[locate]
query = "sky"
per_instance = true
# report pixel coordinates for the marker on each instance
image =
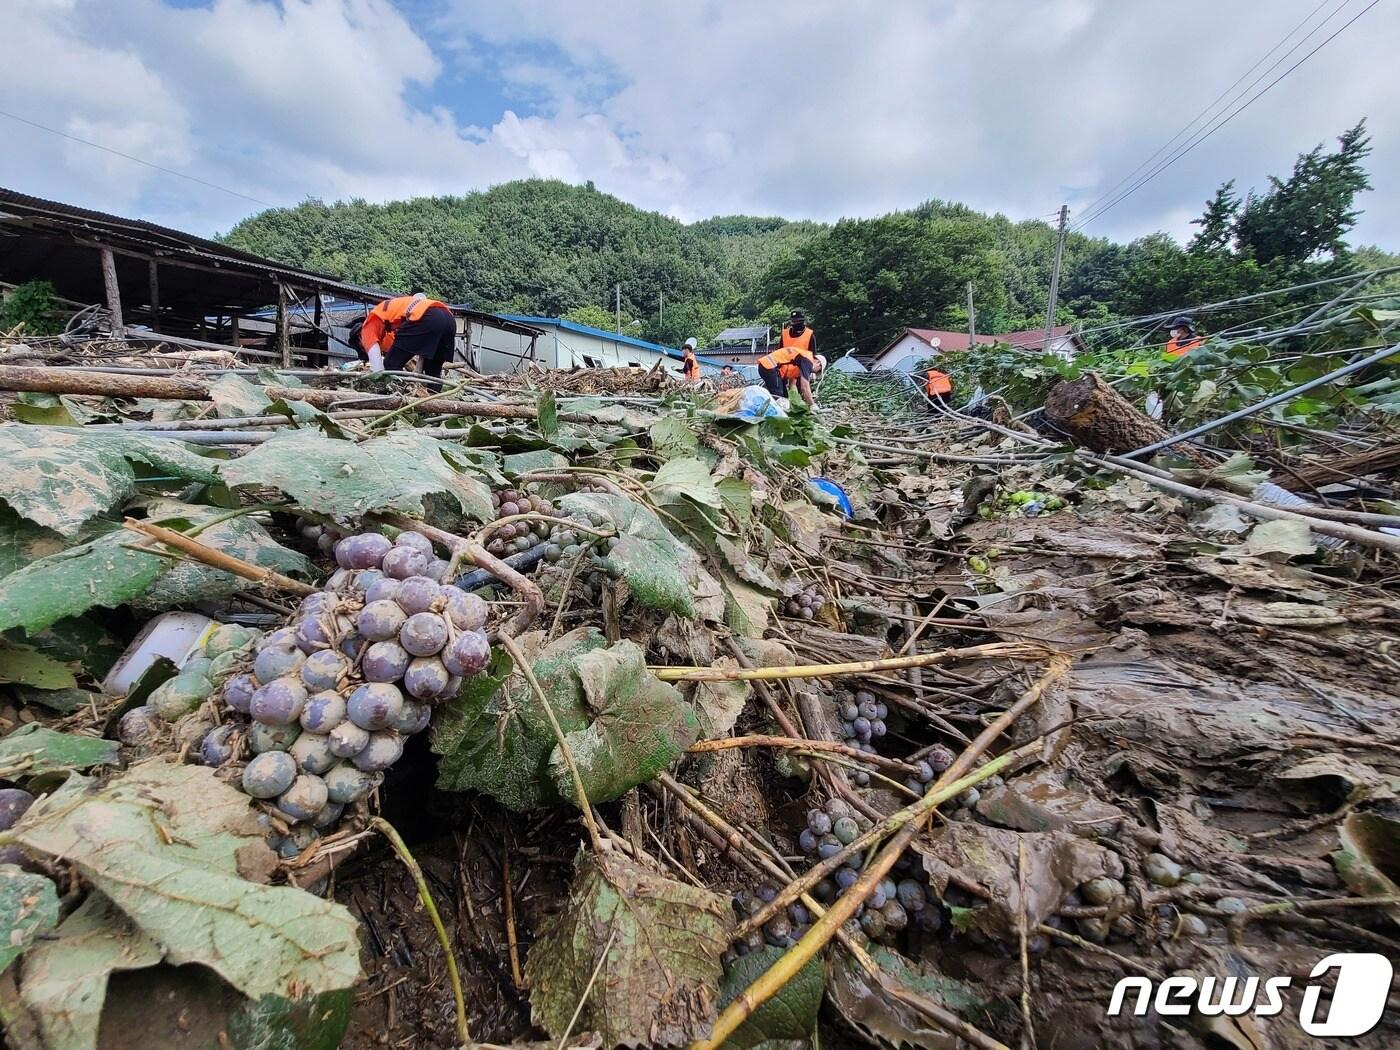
(809, 109)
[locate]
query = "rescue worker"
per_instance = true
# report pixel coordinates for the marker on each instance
(938, 385)
(1183, 337)
(793, 361)
(408, 326)
(690, 364)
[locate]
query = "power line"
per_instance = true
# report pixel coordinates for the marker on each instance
(137, 160)
(1207, 133)
(1216, 101)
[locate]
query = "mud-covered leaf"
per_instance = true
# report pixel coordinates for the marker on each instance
(345, 479)
(686, 478)
(640, 725)
(747, 609)
(717, 704)
(22, 541)
(235, 396)
(495, 737)
(659, 942)
(24, 665)
(1369, 858)
(185, 582)
(737, 497)
(102, 572)
(28, 907)
(81, 640)
(672, 438)
(548, 409)
(34, 749)
(170, 846)
(64, 983)
(873, 1010)
(646, 551)
(49, 409)
(525, 462)
(791, 1014)
(62, 479)
(1286, 538)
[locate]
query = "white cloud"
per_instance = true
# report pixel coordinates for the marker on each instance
(806, 108)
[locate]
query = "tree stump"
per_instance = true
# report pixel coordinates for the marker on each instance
(1099, 418)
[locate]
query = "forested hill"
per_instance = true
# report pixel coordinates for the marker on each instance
(550, 248)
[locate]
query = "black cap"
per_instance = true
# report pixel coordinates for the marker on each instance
(1182, 321)
(798, 315)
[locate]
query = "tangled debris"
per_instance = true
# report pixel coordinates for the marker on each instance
(737, 768)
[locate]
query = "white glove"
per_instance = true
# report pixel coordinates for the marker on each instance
(376, 358)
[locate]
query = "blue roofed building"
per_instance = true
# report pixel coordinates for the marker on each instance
(567, 344)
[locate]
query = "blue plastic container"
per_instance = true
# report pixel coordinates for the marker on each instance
(836, 492)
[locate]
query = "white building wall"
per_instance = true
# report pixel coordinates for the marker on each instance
(904, 354)
(496, 351)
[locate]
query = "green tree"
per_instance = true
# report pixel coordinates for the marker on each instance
(1217, 224)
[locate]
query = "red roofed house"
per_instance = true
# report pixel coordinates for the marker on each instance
(913, 345)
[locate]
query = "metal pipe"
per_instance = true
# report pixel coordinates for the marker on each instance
(1268, 402)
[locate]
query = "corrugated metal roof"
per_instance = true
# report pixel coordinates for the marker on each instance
(600, 333)
(741, 334)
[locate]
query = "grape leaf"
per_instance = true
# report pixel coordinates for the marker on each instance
(101, 572)
(790, 1014)
(235, 396)
(346, 479)
(659, 943)
(166, 845)
(548, 418)
(33, 749)
(65, 979)
(50, 410)
(28, 906)
(540, 459)
(640, 725)
(495, 736)
(685, 478)
(23, 542)
(645, 551)
(62, 478)
(27, 666)
(670, 438)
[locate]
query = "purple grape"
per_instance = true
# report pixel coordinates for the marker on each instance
(317, 603)
(862, 728)
(283, 635)
(385, 662)
(269, 774)
(312, 753)
(322, 712)
(385, 748)
(846, 878)
(383, 590)
(362, 552)
(828, 847)
(324, 670)
(263, 737)
(940, 758)
(378, 621)
(351, 645)
(423, 634)
(437, 569)
(139, 726)
(346, 784)
(330, 813)
(454, 686)
(304, 799)
(414, 541)
(865, 696)
(367, 578)
(867, 709)
(877, 897)
(403, 562)
(911, 895)
(221, 744)
(413, 718)
(238, 692)
(924, 773)
(418, 594)
(278, 703)
(347, 739)
(878, 728)
(426, 678)
(806, 841)
(850, 711)
(374, 705)
(819, 822)
(276, 661)
(315, 633)
(467, 611)
(798, 913)
(467, 654)
(14, 803)
(882, 710)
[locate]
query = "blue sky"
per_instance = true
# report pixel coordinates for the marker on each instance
(804, 108)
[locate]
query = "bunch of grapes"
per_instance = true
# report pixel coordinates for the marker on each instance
(322, 537)
(804, 604)
(933, 763)
(781, 931)
(330, 698)
(901, 898)
(517, 536)
(861, 722)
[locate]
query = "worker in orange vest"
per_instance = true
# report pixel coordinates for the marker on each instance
(690, 364)
(793, 361)
(408, 326)
(938, 385)
(1183, 337)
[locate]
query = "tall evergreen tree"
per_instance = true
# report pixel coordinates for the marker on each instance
(1217, 224)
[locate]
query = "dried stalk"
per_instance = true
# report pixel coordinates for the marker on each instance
(218, 559)
(991, 651)
(805, 744)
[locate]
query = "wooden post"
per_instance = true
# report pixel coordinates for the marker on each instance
(155, 295)
(284, 340)
(971, 319)
(114, 292)
(467, 354)
(234, 337)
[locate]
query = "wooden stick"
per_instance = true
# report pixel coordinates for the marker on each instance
(1027, 1026)
(992, 651)
(805, 744)
(218, 559)
(508, 897)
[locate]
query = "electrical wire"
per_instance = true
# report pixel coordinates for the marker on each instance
(1201, 137)
(137, 160)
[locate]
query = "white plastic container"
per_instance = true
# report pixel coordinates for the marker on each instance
(173, 635)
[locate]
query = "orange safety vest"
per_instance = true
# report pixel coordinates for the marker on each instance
(790, 348)
(1181, 349)
(690, 367)
(386, 318)
(938, 383)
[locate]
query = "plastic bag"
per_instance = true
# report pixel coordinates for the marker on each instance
(757, 403)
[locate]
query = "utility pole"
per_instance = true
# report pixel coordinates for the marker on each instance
(971, 319)
(1055, 279)
(619, 308)
(662, 308)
